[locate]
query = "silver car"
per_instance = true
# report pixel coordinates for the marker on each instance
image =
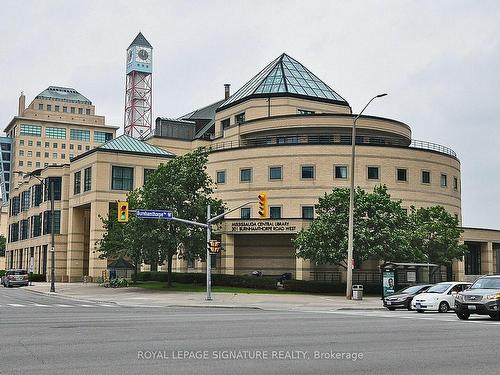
(15, 277)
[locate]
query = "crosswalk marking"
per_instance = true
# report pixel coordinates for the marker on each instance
(63, 305)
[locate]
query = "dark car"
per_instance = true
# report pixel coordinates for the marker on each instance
(402, 298)
(482, 298)
(15, 277)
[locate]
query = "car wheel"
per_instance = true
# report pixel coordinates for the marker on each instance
(408, 306)
(444, 307)
(462, 315)
(495, 316)
(420, 311)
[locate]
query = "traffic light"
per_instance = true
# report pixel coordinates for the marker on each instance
(263, 209)
(122, 212)
(214, 246)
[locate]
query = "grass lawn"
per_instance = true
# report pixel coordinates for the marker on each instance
(176, 287)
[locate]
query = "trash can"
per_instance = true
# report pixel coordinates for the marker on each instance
(357, 292)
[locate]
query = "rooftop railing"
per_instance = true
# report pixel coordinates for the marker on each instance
(327, 139)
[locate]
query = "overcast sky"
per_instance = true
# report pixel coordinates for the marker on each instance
(438, 60)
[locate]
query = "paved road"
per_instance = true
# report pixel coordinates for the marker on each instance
(49, 335)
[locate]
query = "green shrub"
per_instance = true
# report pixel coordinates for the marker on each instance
(244, 281)
(37, 277)
(2, 273)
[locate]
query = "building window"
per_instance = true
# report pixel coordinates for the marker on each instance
(47, 154)
(21, 163)
(21, 152)
(38, 154)
(58, 133)
(245, 213)
(73, 109)
(87, 179)
(47, 222)
(77, 182)
(373, 173)
(444, 180)
(307, 172)
(275, 173)
(455, 183)
(40, 107)
(87, 148)
(54, 145)
(122, 178)
(79, 147)
(80, 135)
(54, 155)
(36, 225)
(240, 118)
(426, 177)
(226, 123)
(63, 145)
(305, 112)
(21, 142)
(341, 172)
(25, 200)
(102, 137)
(307, 212)
(147, 174)
(30, 143)
(57, 181)
(47, 144)
(246, 175)
(275, 212)
(87, 112)
(33, 130)
(65, 109)
(30, 163)
(49, 107)
(80, 111)
(30, 153)
(37, 195)
(221, 177)
(37, 164)
(71, 156)
(71, 146)
(56, 108)
(38, 143)
(402, 174)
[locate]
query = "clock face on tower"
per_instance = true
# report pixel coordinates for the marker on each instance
(143, 55)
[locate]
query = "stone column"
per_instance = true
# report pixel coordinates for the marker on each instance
(96, 265)
(487, 258)
(302, 269)
(458, 269)
(75, 244)
(227, 255)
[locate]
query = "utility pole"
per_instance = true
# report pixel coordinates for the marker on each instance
(209, 257)
(52, 239)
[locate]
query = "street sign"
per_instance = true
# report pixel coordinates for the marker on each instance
(154, 214)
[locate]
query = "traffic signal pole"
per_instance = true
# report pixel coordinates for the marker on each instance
(209, 258)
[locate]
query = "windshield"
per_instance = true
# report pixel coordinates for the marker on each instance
(439, 288)
(487, 283)
(17, 272)
(411, 289)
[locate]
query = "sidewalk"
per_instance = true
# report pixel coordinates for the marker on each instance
(133, 296)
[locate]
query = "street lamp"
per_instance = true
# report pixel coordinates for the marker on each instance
(52, 221)
(350, 239)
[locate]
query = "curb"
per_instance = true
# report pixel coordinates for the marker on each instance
(58, 295)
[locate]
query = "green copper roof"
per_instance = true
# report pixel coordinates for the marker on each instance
(285, 76)
(63, 94)
(129, 144)
(140, 40)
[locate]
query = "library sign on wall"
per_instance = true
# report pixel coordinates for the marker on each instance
(263, 226)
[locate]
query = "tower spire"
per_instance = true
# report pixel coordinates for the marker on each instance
(138, 89)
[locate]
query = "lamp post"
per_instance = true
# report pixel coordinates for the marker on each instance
(52, 226)
(350, 239)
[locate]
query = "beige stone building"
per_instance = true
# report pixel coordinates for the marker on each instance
(285, 132)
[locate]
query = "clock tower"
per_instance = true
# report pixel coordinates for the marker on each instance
(138, 89)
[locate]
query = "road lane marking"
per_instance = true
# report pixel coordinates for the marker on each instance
(40, 305)
(87, 305)
(60, 305)
(15, 305)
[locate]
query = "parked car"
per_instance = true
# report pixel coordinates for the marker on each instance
(482, 298)
(403, 297)
(440, 297)
(15, 277)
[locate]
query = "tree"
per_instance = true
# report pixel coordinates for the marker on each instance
(3, 242)
(434, 235)
(379, 228)
(180, 185)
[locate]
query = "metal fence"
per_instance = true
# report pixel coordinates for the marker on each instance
(329, 139)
